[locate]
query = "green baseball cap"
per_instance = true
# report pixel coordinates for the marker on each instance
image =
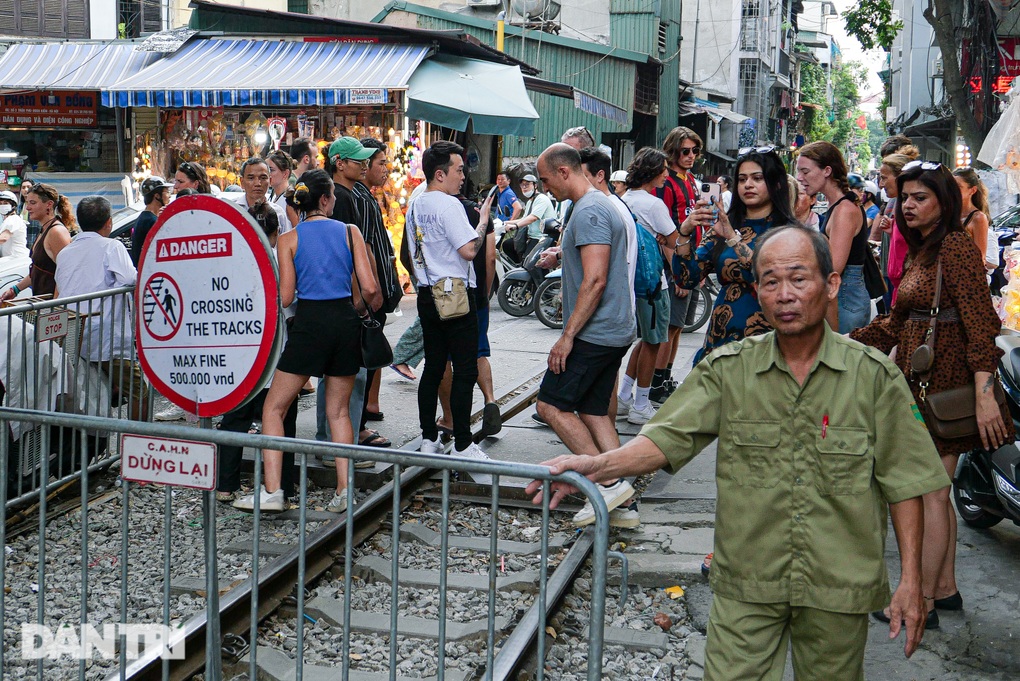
(349, 148)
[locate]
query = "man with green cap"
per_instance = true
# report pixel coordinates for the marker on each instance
(347, 162)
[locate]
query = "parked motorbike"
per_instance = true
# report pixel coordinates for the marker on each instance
(549, 300)
(985, 487)
(517, 291)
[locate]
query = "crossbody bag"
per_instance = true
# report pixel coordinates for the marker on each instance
(949, 414)
(450, 294)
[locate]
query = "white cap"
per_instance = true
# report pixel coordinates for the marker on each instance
(9, 196)
(870, 186)
(618, 176)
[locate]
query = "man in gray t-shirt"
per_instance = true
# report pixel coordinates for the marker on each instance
(598, 320)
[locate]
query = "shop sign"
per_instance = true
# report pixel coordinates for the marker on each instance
(168, 461)
(56, 109)
(206, 307)
(367, 95)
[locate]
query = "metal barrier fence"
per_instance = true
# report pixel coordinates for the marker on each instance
(73, 355)
(80, 606)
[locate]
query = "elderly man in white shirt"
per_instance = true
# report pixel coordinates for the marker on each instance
(91, 263)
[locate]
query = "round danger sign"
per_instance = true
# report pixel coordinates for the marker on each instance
(206, 305)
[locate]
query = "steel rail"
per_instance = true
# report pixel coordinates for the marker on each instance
(278, 578)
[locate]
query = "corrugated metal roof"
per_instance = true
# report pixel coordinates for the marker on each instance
(70, 65)
(267, 72)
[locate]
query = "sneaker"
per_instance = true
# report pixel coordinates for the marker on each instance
(364, 465)
(614, 496)
(338, 504)
(172, 413)
(492, 421)
(225, 497)
(623, 406)
(475, 452)
(270, 503)
(431, 446)
(539, 420)
(670, 385)
(658, 394)
(625, 516)
(639, 417)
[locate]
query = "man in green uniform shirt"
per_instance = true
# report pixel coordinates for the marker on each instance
(817, 438)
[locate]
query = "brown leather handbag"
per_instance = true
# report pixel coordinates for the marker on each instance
(952, 413)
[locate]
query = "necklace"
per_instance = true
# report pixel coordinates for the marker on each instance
(314, 214)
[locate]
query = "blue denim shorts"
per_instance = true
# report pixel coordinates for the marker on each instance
(854, 303)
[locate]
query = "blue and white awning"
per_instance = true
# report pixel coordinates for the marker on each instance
(69, 65)
(270, 73)
(600, 107)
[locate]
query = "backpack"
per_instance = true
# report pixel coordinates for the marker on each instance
(648, 274)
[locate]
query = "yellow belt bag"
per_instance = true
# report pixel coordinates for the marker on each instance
(449, 294)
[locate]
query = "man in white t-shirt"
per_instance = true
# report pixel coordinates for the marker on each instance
(647, 173)
(255, 183)
(442, 245)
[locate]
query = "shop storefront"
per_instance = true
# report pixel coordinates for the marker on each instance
(52, 123)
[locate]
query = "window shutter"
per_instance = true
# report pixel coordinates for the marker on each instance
(30, 17)
(77, 19)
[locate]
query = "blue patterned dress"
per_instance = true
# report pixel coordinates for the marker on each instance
(736, 313)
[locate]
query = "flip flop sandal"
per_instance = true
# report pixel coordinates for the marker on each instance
(254, 429)
(408, 377)
(373, 415)
(374, 439)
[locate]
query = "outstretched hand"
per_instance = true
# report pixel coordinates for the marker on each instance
(588, 466)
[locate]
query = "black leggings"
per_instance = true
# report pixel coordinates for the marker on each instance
(454, 340)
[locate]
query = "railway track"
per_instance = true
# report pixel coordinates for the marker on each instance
(331, 547)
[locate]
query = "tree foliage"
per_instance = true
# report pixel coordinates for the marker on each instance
(870, 21)
(834, 121)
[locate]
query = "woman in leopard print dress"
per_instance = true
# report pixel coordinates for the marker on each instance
(928, 216)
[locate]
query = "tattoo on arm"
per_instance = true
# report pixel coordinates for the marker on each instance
(743, 251)
(989, 384)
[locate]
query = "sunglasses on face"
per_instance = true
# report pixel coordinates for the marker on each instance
(924, 165)
(188, 170)
(363, 164)
(760, 150)
(687, 151)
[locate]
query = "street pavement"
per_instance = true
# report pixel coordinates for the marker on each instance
(978, 644)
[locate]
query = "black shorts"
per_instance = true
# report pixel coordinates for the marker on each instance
(324, 340)
(586, 385)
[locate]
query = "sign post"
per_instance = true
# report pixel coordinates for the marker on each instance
(207, 316)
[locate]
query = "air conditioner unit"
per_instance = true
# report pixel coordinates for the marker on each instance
(483, 3)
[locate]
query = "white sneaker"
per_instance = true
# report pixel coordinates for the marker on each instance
(338, 504)
(431, 446)
(614, 495)
(475, 452)
(639, 417)
(269, 503)
(623, 406)
(625, 516)
(172, 413)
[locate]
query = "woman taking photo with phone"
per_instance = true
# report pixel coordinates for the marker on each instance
(820, 168)
(761, 200)
(53, 211)
(928, 216)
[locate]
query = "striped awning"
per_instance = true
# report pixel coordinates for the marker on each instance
(70, 65)
(270, 73)
(599, 107)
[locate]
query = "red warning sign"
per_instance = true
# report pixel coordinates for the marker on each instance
(207, 308)
(193, 247)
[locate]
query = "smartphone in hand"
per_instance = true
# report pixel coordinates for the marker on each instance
(711, 192)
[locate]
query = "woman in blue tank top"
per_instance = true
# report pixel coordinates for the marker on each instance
(316, 266)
